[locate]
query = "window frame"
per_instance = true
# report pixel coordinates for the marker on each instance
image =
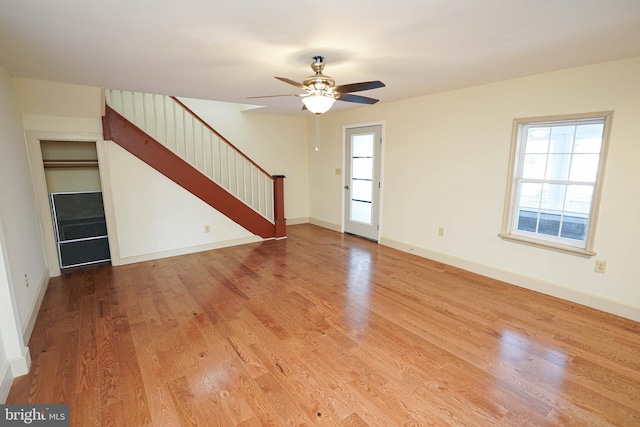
(517, 151)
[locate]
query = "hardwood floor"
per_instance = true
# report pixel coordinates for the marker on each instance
(323, 329)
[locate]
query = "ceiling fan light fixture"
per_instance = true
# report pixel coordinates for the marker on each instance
(318, 104)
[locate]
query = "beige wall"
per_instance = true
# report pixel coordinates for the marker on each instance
(445, 164)
(70, 178)
(58, 107)
(60, 180)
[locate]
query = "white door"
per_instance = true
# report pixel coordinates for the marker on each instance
(363, 148)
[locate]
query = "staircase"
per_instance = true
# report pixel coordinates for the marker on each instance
(168, 136)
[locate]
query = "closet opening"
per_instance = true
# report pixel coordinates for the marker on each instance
(75, 198)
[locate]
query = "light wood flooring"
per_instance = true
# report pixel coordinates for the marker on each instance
(323, 329)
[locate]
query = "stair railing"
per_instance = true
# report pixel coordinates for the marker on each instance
(174, 125)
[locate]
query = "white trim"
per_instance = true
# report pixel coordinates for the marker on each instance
(63, 136)
(515, 168)
(345, 128)
(6, 379)
(188, 250)
(40, 187)
(14, 367)
(104, 169)
(362, 125)
(42, 202)
(21, 365)
(27, 329)
(590, 300)
(573, 250)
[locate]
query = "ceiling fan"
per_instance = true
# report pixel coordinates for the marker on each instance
(321, 91)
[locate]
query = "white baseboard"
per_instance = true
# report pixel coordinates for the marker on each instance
(296, 221)
(21, 365)
(188, 250)
(207, 247)
(27, 328)
(6, 379)
(326, 224)
(584, 298)
(13, 368)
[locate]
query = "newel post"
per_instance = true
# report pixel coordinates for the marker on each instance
(278, 207)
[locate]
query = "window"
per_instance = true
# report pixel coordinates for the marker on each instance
(555, 177)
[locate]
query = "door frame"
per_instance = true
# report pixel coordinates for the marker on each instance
(345, 128)
(42, 195)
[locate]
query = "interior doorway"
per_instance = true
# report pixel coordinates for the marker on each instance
(363, 152)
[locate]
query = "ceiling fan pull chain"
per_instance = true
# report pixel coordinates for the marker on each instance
(317, 131)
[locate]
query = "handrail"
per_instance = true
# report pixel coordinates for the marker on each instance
(205, 124)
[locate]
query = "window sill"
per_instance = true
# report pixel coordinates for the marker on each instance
(547, 245)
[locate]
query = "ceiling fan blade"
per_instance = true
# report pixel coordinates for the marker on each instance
(356, 98)
(357, 87)
(291, 82)
(272, 96)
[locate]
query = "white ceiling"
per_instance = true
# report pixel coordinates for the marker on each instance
(231, 50)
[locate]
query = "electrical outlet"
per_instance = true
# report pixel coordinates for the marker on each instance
(26, 280)
(207, 228)
(440, 231)
(601, 266)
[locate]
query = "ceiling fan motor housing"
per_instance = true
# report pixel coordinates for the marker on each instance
(320, 83)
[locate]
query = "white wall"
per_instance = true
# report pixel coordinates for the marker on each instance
(6, 376)
(21, 246)
(17, 205)
(445, 164)
(155, 217)
(277, 143)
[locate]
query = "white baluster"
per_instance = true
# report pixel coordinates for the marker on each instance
(163, 114)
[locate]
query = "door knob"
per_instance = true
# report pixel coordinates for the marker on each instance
(346, 187)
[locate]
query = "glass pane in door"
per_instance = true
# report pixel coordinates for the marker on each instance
(362, 168)
(362, 148)
(361, 211)
(362, 190)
